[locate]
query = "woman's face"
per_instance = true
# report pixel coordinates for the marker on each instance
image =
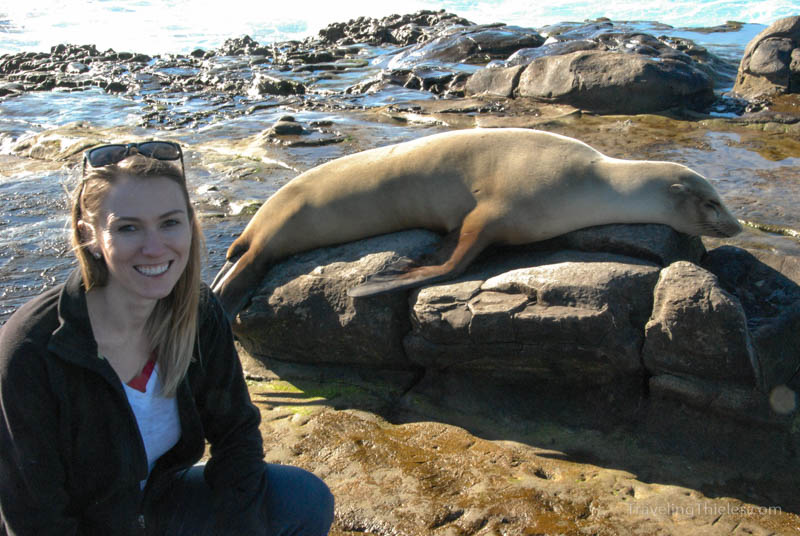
(144, 234)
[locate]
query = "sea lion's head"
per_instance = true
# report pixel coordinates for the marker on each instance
(698, 209)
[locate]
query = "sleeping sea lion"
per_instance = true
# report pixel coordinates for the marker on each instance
(502, 186)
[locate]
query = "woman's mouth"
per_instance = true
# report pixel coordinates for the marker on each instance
(152, 270)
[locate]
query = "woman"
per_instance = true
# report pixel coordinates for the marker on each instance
(111, 383)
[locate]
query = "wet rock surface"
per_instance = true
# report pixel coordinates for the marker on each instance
(437, 53)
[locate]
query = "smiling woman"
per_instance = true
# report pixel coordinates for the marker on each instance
(111, 384)
(129, 219)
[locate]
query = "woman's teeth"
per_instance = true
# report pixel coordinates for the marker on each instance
(152, 270)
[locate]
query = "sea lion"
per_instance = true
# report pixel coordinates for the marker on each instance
(509, 186)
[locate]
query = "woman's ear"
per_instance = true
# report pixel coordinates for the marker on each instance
(85, 232)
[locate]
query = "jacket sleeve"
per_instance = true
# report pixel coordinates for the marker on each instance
(33, 496)
(236, 469)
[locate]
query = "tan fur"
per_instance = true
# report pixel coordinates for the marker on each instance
(509, 186)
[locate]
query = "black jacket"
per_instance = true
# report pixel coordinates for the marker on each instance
(71, 457)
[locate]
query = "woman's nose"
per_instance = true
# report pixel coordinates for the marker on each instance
(153, 245)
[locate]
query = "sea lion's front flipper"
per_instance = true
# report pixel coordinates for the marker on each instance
(472, 239)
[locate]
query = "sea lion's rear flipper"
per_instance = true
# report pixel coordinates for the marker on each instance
(394, 277)
(471, 240)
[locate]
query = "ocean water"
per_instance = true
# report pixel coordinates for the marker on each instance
(180, 26)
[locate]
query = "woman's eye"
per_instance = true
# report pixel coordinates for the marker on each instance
(171, 223)
(126, 228)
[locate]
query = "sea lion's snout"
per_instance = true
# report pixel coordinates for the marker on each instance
(726, 225)
(732, 228)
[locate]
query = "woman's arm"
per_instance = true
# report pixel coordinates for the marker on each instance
(231, 422)
(33, 497)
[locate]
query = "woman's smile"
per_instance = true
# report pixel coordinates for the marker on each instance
(153, 270)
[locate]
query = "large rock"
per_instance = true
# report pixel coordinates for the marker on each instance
(698, 329)
(302, 313)
(771, 62)
(494, 82)
(601, 69)
(611, 82)
(569, 317)
(603, 318)
(302, 304)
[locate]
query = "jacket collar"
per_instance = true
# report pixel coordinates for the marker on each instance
(73, 340)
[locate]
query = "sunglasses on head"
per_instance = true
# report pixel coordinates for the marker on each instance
(111, 154)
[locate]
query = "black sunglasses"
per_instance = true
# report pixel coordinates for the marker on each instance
(111, 154)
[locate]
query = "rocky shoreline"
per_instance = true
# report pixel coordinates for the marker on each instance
(508, 402)
(599, 67)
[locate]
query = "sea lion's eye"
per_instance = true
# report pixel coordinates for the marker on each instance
(712, 205)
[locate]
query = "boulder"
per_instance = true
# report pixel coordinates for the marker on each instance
(494, 82)
(698, 329)
(301, 311)
(771, 62)
(567, 317)
(603, 318)
(264, 84)
(611, 82)
(302, 306)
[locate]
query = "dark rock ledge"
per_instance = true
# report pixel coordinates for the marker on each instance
(715, 330)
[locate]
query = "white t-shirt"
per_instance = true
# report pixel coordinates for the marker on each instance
(157, 417)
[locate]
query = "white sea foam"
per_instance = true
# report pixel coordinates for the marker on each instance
(154, 26)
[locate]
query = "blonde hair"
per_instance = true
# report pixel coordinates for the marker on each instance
(172, 326)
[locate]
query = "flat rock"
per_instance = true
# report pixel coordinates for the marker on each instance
(551, 320)
(403, 464)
